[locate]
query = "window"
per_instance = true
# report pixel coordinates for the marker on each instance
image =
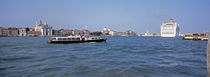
(59, 39)
(64, 38)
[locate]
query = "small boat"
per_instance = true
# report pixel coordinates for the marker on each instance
(76, 39)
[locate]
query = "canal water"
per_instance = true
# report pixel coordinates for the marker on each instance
(118, 57)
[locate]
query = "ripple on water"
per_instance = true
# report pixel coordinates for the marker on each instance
(118, 57)
(15, 58)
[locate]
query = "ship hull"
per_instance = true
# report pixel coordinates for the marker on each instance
(79, 41)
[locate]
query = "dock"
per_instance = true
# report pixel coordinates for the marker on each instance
(208, 57)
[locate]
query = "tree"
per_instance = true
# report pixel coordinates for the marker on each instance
(96, 33)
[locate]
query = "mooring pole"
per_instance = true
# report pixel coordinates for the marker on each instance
(208, 56)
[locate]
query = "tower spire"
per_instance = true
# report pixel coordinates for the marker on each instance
(45, 22)
(40, 22)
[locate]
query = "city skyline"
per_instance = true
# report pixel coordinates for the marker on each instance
(120, 15)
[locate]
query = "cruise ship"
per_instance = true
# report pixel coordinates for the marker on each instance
(170, 29)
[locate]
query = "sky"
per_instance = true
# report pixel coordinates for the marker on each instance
(119, 15)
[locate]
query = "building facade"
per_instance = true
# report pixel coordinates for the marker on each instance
(22, 31)
(107, 31)
(45, 29)
(110, 32)
(147, 33)
(1, 31)
(10, 31)
(170, 29)
(131, 33)
(32, 32)
(85, 32)
(63, 32)
(77, 32)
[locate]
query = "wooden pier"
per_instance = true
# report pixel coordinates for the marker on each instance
(208, 56)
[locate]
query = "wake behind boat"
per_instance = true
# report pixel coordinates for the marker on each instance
(76, 39)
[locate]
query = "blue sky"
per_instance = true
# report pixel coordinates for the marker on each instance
(120, 15)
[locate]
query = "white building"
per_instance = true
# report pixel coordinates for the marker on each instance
(45, 29)
(147, 33)
(106, 31)
(169, 29)
(22, 31)
(76, 32)
(113, 33)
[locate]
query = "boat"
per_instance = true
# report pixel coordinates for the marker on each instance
(195, 36)
(77, 39)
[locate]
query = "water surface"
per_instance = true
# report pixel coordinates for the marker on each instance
(118, 57)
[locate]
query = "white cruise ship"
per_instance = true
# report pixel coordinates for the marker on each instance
(170, 29)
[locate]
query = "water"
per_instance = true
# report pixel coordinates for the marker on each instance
(118, 57)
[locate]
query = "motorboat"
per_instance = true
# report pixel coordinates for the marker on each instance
(77, 39)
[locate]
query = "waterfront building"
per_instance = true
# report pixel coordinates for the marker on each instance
(156, 34)
(126, 33)
(11, 31)
(68, 32)
(45, 29)
(150, 34)
(55, 32)
(113, 33)
(131, 33)
(140, 34)
(32, 32)
(64, 32)
(106, 31)
(147, 33)
(169, 29)
(110, 32)
(207, 34)
(76, 32)
(85, 32)
(1, 31)
(122, 34)
(22, 31)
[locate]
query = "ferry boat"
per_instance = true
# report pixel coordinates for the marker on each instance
(195, 36)
(76, 39)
